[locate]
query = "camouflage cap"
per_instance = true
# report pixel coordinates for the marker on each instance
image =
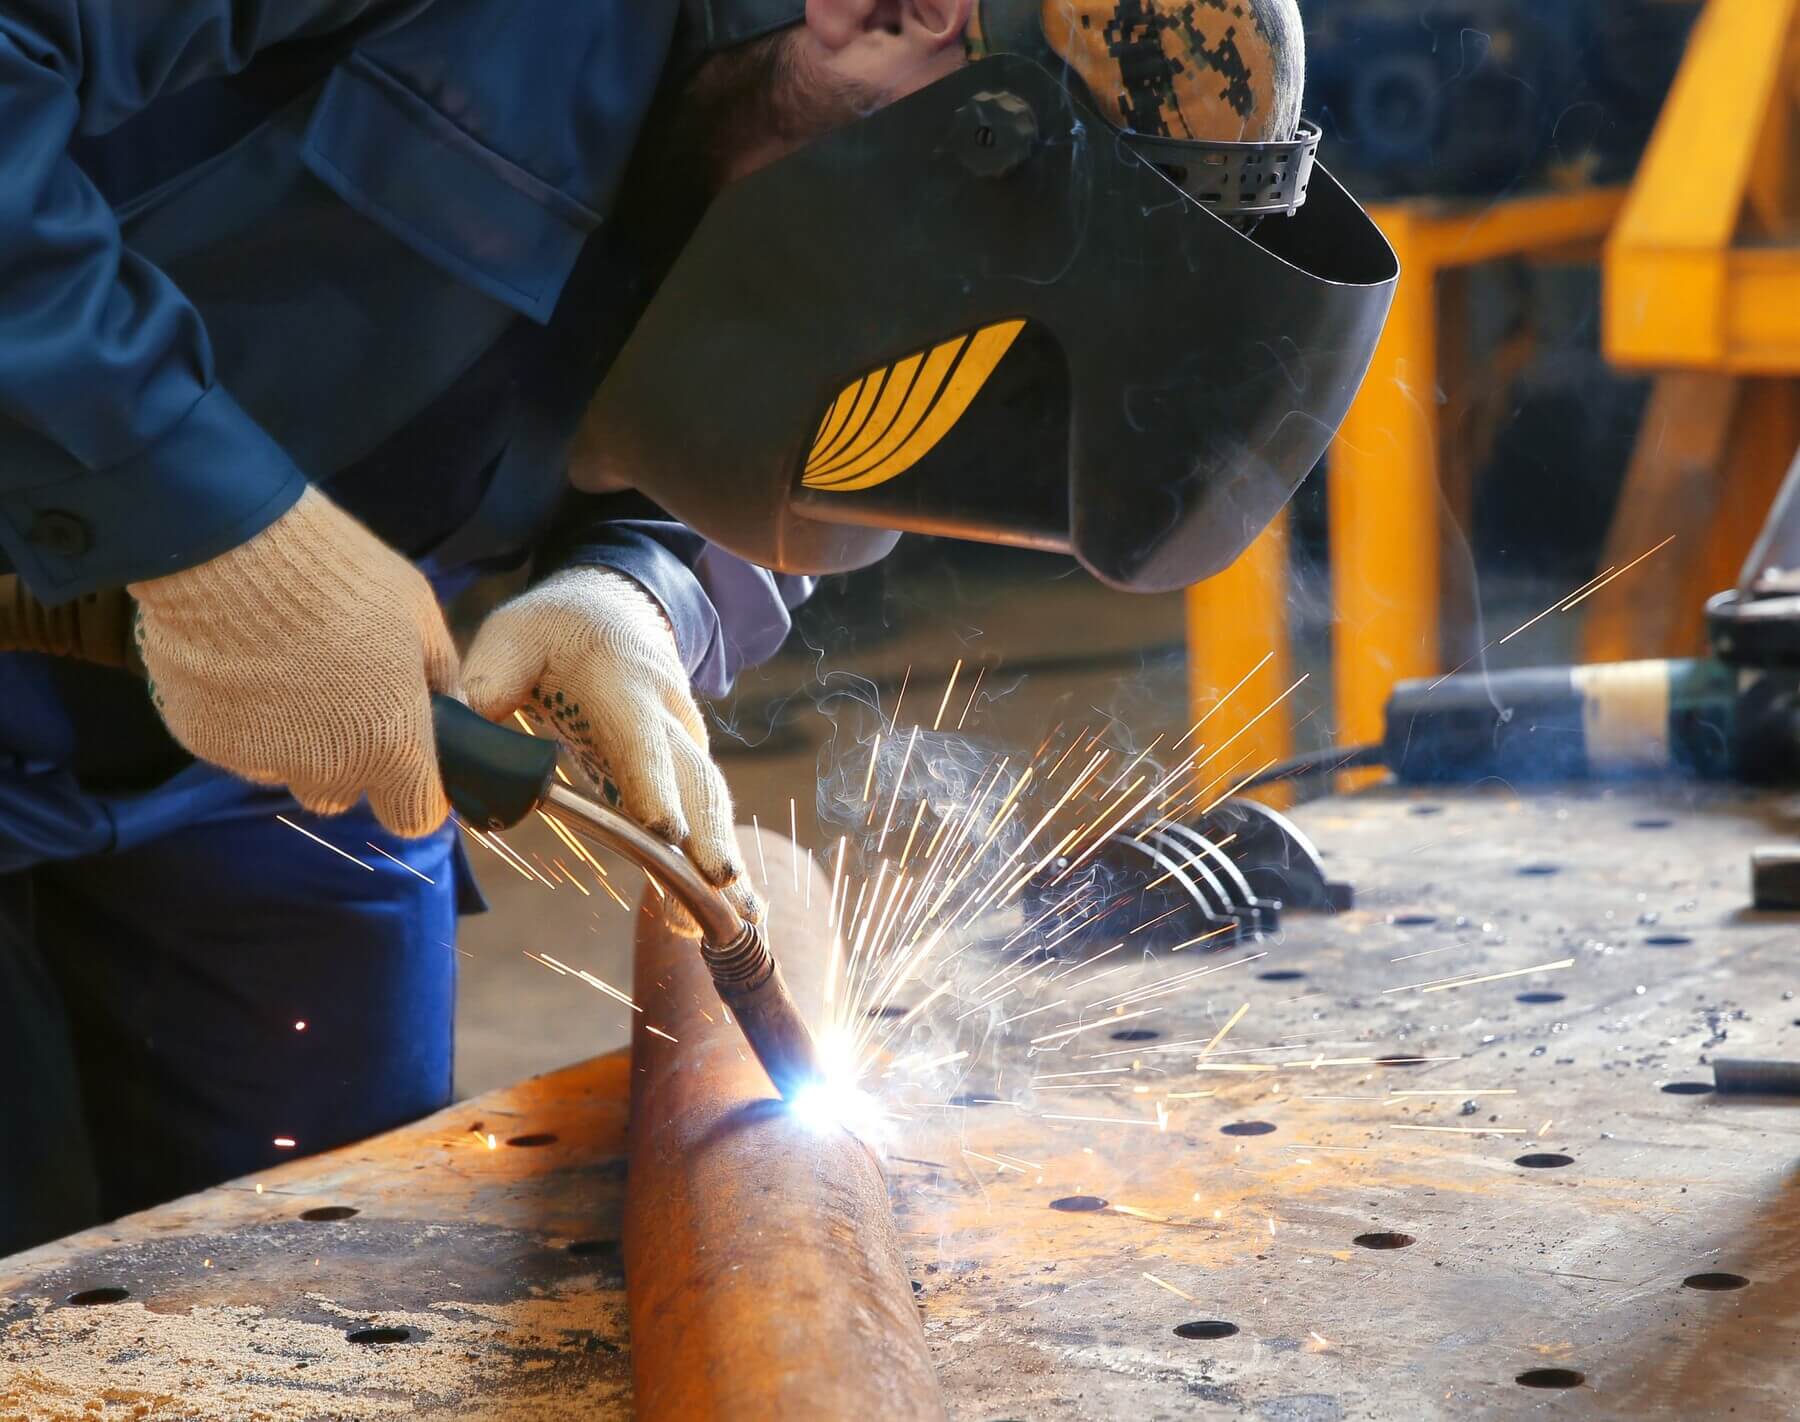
(1208, 70)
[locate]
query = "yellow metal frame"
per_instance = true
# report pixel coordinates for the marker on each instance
(1384, 493)
(1703, 270)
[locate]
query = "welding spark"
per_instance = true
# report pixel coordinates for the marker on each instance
(1604, 579)
(558, 966)
(991, 1160)
(937, 721)
(1165, 1284)
(327, 843)
(900, 700)
(1219, 1036)
(1466, 1130)
(899, 785)
(1429, 952)
(756, 834)
(1079, 1027)
(1463, 980)
(970, 704)
(385, 855)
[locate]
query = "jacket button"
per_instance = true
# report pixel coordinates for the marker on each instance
(63, 533)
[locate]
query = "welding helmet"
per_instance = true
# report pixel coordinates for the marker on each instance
(1017, 306)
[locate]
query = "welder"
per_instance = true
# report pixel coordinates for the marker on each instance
(312, 311)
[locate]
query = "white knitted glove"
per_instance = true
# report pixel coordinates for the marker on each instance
(590, 652)
(306, 658)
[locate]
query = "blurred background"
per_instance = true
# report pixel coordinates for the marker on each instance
(1592, 349)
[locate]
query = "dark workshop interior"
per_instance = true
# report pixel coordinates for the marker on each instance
(1279, 897)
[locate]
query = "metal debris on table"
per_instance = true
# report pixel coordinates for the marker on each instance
(1518, 1180)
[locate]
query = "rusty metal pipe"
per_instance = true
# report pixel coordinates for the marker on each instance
(764, 1275)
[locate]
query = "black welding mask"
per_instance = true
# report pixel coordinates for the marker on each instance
(1017, 306)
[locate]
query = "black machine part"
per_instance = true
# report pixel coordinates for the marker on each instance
(1744, 1076)
(1775, 878)
(1013, 328)
(1218, 881)
(1757, 623)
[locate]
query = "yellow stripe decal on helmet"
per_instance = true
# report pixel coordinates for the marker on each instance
(857, 416)
(888, 407)
(837, 415)
(941, 386)
(919, 401)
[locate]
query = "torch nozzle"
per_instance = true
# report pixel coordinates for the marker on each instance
(735, 950)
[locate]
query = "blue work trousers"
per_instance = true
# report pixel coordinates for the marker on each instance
(152, 1002)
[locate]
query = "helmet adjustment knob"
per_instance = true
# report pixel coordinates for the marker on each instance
(994, 133)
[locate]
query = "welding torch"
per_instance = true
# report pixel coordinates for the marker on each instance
(494, 778)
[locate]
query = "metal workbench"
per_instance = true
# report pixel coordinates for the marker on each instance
(1287, 1247)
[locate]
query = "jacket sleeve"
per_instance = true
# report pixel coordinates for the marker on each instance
(105, 368)
(727, 614)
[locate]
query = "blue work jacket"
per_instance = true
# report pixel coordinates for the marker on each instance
(250, 244)
(352, 284)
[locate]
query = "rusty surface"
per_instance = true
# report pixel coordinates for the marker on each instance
(1250, 1206)
(501, 1265)
(767, 1280)
(1042, 1313)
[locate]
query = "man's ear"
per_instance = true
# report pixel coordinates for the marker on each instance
(942, 21)
(935, 24)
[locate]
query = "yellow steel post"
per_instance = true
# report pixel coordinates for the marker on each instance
(1677, 293)
(1238, 638)
(1384, 502)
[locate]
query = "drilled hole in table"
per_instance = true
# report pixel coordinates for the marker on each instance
(1248, 1128)
(537, 1138)
(324, 1214)
(1687, 1088)
(1413, 920)
(974, 1099)
(1078, 1204)
(1398, 1060)
(1549, 1377)
(1714, 1283)
(1136, 1034)
(379, 1335)
(1385, 1239)
(111, 1293)
(1668, 940)
(1544, 1160)
(890, 1009)
(1539, 871)
(1651, 822)
(1281, 975)
(1426, 810)
(1205, 1328)
(583, 1248)
(918, 1289)
(1535, 999)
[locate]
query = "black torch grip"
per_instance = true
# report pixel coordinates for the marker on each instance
(494, 777)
